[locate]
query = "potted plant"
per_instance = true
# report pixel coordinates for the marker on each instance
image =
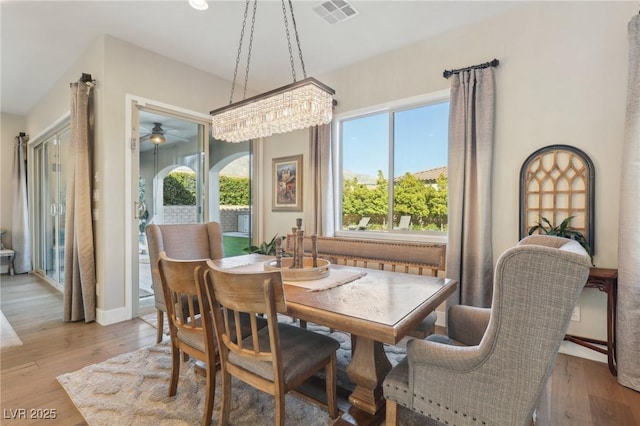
(562, 230)
(264, 248)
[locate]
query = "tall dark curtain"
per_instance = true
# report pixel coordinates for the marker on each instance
(320, 219)
(628, 321)
(471, 129)
(79, 262)
(20, 232)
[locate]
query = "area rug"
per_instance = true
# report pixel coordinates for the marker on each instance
(8, 336)
(131, 389)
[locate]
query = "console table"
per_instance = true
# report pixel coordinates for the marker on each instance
(605, 280)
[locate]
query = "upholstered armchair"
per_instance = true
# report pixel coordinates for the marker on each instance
(493, 365)
(189, 241)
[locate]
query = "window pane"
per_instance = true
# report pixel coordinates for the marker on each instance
(420, 168)
(365, 164)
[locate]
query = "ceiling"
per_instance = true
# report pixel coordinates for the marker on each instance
(40, 39)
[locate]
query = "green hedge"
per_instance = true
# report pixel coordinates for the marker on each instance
(180, 189)
(234, 191)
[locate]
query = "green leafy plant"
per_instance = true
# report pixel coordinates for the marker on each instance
(562, 230)
(179, 189)
(268, 248)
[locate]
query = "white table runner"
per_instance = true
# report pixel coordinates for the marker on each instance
(337, 276)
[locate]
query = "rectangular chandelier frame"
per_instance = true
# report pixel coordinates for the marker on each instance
(297, 105)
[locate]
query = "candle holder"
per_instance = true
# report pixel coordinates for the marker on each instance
(298, 267)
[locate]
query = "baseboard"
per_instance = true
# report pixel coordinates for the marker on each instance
(570, 348)
(112, 316)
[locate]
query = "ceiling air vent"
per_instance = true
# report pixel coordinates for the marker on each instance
(334, 11)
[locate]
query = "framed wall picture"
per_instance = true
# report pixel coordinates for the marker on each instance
(287, 184)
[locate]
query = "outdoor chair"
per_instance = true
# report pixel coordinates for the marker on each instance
(275, 359)
(493, 365)
(405, 223)
(362, 225)
(183, 242)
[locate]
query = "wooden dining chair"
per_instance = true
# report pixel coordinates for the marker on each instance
(190, 322)
(275, 359)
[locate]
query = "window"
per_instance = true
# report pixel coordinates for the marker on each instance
(408, 142)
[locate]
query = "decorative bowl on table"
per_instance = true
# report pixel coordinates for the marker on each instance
(307, 273)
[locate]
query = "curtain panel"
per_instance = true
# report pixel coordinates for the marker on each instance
(628, 313)
(471, 134)
(21, 233)
(320, 216)
(79, 262)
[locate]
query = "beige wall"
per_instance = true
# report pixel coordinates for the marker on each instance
(10, 125)
(121, 68)
(562, 79)
(284, 145)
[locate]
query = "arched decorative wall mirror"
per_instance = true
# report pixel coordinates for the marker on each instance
(556, 182)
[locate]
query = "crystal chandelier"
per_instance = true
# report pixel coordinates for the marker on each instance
(298, 105)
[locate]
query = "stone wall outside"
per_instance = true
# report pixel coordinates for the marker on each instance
(187, 214)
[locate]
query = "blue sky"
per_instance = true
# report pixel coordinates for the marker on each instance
(420, 141)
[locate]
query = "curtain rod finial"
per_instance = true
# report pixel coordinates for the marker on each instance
(86, 78)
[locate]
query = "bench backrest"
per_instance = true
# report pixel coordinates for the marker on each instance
(397, 256)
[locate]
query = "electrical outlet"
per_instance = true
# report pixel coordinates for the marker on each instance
(575, 316)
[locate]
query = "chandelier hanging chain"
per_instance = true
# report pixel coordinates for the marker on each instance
(286, 28)
(246, 74)
(235, 71)
(298, 105)
(295, 30)
(253, 23)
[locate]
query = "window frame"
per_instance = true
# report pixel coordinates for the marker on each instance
(390, 108)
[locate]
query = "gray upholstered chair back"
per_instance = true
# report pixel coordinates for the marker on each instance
(190, 241)
(498, 381)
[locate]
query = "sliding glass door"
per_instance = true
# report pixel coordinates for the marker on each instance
(181, 175)
(171, 182)
(50, 169)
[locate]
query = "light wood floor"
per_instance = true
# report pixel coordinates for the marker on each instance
(580, 392)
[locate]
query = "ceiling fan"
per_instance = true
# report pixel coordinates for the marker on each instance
(158, 135)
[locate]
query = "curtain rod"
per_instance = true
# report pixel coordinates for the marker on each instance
(22, 135)
(449, 73)
(86, 78)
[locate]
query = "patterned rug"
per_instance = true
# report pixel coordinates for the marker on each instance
(131, 389)
(8, 336)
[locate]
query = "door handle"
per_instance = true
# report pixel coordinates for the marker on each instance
(139, 209)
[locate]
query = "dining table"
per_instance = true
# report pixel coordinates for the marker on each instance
(375, 307)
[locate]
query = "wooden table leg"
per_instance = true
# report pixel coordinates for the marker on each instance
(368, 367)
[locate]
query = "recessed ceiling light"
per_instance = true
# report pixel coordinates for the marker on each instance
(334, 11)
(199, 4)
